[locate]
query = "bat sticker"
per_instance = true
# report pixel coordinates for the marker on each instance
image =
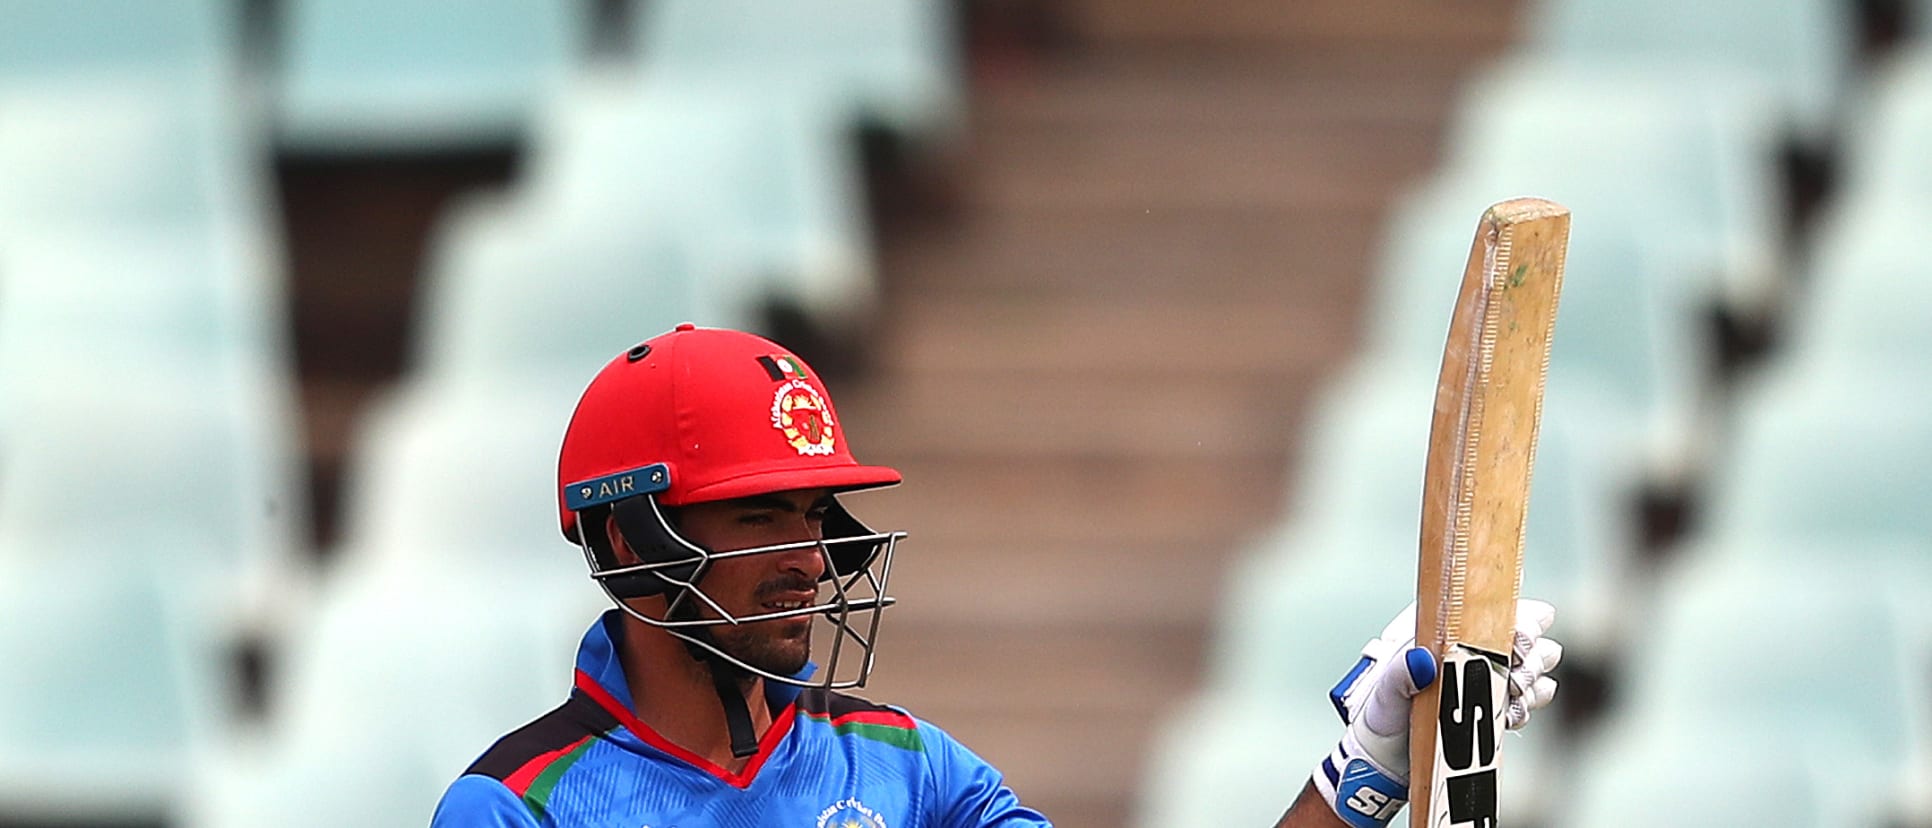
(1474, 691)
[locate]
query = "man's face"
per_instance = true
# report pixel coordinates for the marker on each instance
(759, 584)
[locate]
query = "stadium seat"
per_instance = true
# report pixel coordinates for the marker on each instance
(761, 188)
(1866, 303)
(1685, 170)
(890, 62)
(1665, 778)
(189, 471)
(514, 302)
(127, 150)
(487, 460)
(45, 38)
(1632, 331)
(1826, 452)
(1222, 760)
(1358, 510)
(1814, 662)
(1306, 602)
(110, 684)
(417, 75)
(205, 292)
(1802, 50)
(1885, 157)
(401, 679)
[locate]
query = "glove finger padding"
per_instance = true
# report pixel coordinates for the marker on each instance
(1531, 657)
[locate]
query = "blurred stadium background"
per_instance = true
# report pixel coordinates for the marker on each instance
(1145, 297)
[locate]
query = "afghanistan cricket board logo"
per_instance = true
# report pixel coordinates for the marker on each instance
(798, 412)
(849, 813)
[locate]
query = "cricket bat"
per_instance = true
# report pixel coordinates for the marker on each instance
(1482, 444)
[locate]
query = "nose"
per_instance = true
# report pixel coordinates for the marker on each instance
(807, 561)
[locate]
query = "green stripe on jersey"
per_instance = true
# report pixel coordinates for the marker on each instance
(538, 796)
(904, 738)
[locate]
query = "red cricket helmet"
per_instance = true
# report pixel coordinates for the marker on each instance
(719, 414)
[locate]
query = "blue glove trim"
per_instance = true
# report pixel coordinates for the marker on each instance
(1366, 798)
(1422, 667)
(1340, 692)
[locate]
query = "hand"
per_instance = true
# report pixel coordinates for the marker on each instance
(1366, 777)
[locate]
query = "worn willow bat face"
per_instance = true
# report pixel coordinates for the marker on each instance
(1482, 445)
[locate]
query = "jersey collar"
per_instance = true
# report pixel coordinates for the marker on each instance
(600, 678)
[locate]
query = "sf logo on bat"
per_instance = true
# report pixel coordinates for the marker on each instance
(1473, 688)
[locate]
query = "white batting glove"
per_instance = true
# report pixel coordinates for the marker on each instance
(1365, 779)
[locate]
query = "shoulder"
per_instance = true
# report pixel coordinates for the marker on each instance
(852, 716)
(533, 748)
(481, 801)
(512, 782)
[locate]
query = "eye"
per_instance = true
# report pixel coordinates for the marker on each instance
(817, 515)
(755, 519)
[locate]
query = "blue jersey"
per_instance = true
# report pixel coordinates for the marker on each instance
(828, 761)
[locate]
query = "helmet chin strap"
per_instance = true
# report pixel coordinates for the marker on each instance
(725, 678)
(737, 711)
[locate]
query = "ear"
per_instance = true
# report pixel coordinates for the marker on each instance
(619, 549)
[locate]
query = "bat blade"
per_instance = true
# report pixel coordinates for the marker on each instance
(1482, 444)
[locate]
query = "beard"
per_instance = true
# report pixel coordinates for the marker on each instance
(779, 647)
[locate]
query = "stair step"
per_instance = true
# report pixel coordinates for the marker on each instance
(1023, 503)
(1475, 28)
(1273, 342)
(1142, 87)
(1198, 165)
(1305, 255)
(1113, 414)
(999, 587)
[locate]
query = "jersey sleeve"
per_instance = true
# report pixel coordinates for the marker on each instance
(969, 793)
(476, 800)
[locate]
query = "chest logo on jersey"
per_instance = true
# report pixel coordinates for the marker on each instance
(849, 813)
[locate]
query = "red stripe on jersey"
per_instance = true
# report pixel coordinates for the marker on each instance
(780, 725)
(888, 718)
(519, 782)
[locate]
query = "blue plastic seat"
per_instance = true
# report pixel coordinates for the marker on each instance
(128, 151)
(1801, 50)
(190, 472)
(390, 695)
(1357, 512)
(211, 294)
(1826, 452)
(514, 302)
(1814, 663)
(1885, 158)
(1220, 759)
(111, 684)
(387, 75)
(1632, 332)
(891, 62)
(131, 37)
(1614, 143)
(415, 446)
(1667, 778)
(762, 190)
(1866, 304)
